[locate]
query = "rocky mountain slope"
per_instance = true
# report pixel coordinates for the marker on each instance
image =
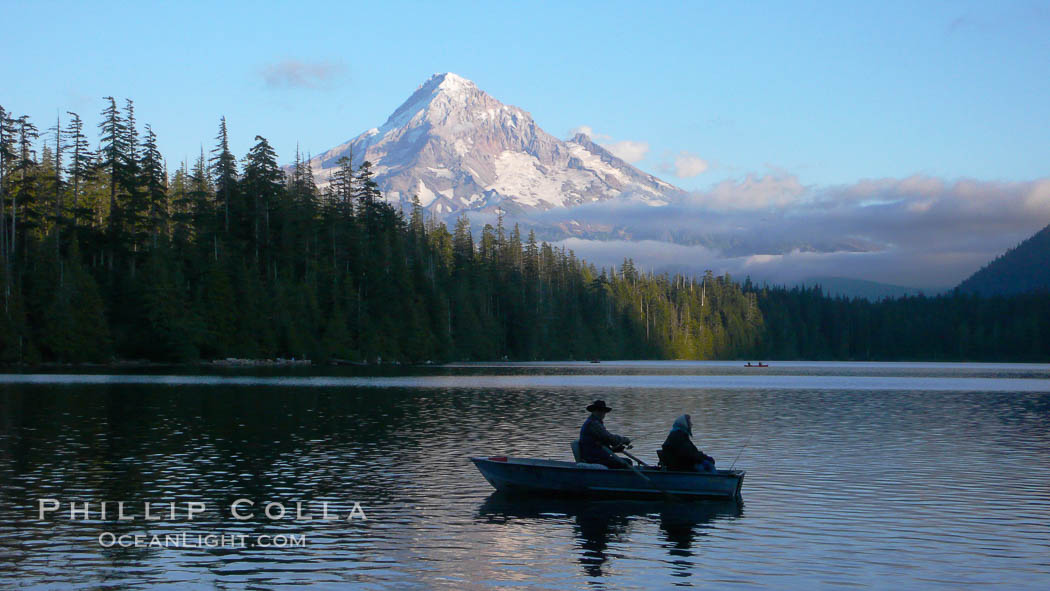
(457, 148)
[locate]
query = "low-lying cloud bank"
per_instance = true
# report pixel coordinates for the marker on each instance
(919, 232)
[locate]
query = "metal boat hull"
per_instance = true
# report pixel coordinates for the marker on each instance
(571, 479)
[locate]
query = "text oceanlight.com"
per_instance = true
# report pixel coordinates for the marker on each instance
(188, 540)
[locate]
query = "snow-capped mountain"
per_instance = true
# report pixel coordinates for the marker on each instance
(456, 148)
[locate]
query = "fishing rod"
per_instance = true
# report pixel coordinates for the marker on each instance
(741, 451)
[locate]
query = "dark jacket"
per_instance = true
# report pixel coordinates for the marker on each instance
(679, 453)
(593, 435)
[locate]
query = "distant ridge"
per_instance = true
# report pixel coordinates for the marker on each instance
(1022, 269)
(870, 290)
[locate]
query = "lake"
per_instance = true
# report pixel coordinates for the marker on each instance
(886, 475)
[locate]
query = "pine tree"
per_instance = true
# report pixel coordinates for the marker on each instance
(80, 163)
(303, 187)
(113, 150)
(366, 192)
(263, 182)
(344, 184)
(224, 171)
(181, 206)
(135, 208)
(154, 180)
(417, 224)
(463, 244)
(8, 157)
(24, 165)
(58, 186)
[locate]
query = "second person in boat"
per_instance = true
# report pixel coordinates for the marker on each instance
(679, 453)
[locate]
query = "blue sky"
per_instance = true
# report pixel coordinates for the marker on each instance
(830, 92)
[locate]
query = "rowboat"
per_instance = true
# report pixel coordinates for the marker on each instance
(555, 477)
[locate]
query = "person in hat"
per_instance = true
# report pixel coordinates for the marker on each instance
(678, 452)
(595, 439)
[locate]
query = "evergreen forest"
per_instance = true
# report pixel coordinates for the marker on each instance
(107, 254)
(1022, 269)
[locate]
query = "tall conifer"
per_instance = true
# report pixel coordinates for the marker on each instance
(263, 182)
(154, 180)
(224, 171)
(113, 152)
(80, 162)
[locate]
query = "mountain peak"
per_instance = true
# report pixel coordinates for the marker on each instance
(449, 82)
(455, 147)
(445, 90)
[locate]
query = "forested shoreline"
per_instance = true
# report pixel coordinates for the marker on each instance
(107, 254)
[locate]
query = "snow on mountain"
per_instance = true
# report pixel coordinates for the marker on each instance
(456, 148)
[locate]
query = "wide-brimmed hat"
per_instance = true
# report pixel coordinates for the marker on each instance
(598, 406)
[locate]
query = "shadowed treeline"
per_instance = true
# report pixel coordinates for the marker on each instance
(803, 323)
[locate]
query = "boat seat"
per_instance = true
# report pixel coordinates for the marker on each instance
(575, 445)
(591, 466)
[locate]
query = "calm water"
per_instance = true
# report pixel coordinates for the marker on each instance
(871, 475)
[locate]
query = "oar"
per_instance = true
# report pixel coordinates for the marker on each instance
(670, 496)
(624, 452)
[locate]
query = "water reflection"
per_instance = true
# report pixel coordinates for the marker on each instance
(600, 525)
(892, 488)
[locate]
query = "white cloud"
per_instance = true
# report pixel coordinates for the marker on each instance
(754, 192)
(586, 130)
(628, 151)
(685, 165)
(292, 73)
